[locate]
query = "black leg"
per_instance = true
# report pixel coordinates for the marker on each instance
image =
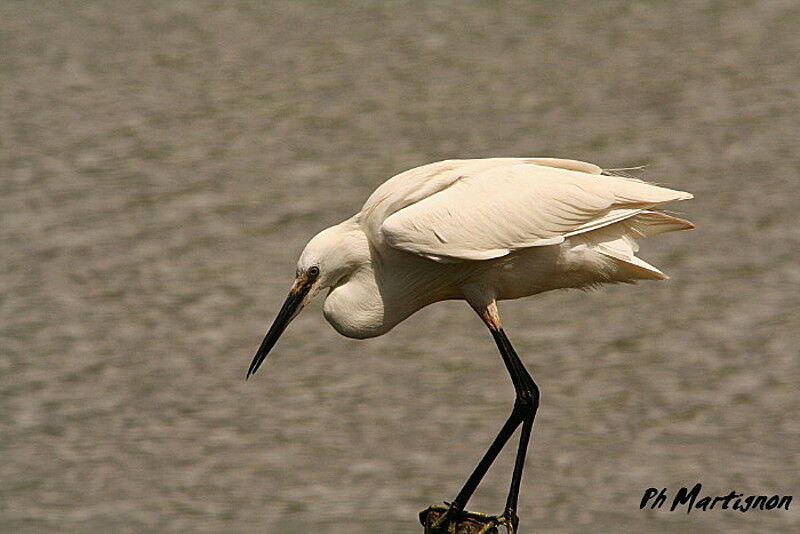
(513, 493)
(527, 402)
(460, 502)
(524, 411)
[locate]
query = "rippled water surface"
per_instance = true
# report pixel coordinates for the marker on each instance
(163, 163)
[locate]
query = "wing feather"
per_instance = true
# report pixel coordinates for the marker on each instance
(490, 209)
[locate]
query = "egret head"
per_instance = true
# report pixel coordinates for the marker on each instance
(328, 259)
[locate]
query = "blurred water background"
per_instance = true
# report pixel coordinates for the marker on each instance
(162, 164)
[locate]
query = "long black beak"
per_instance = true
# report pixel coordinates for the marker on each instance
(291, 307)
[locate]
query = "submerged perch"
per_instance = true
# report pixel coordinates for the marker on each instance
(467, 522)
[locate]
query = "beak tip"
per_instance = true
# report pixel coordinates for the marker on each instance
(253, 367)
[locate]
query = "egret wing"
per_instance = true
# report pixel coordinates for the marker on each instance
(514, 204)
(419, 183)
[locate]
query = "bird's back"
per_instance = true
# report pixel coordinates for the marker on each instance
(472, 210)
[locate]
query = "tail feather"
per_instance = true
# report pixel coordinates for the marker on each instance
(651, 222)
(618, 241)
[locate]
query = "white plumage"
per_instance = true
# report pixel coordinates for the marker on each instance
(485, 209)
(481, 230)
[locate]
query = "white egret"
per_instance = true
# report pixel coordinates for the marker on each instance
(480, 230)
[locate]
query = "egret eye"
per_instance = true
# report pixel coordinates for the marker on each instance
(313, 271)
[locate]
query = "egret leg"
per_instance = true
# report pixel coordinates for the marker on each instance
(527, 403)
(523, 413)
(511, 424)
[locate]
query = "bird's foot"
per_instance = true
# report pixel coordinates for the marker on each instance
(449, 520)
